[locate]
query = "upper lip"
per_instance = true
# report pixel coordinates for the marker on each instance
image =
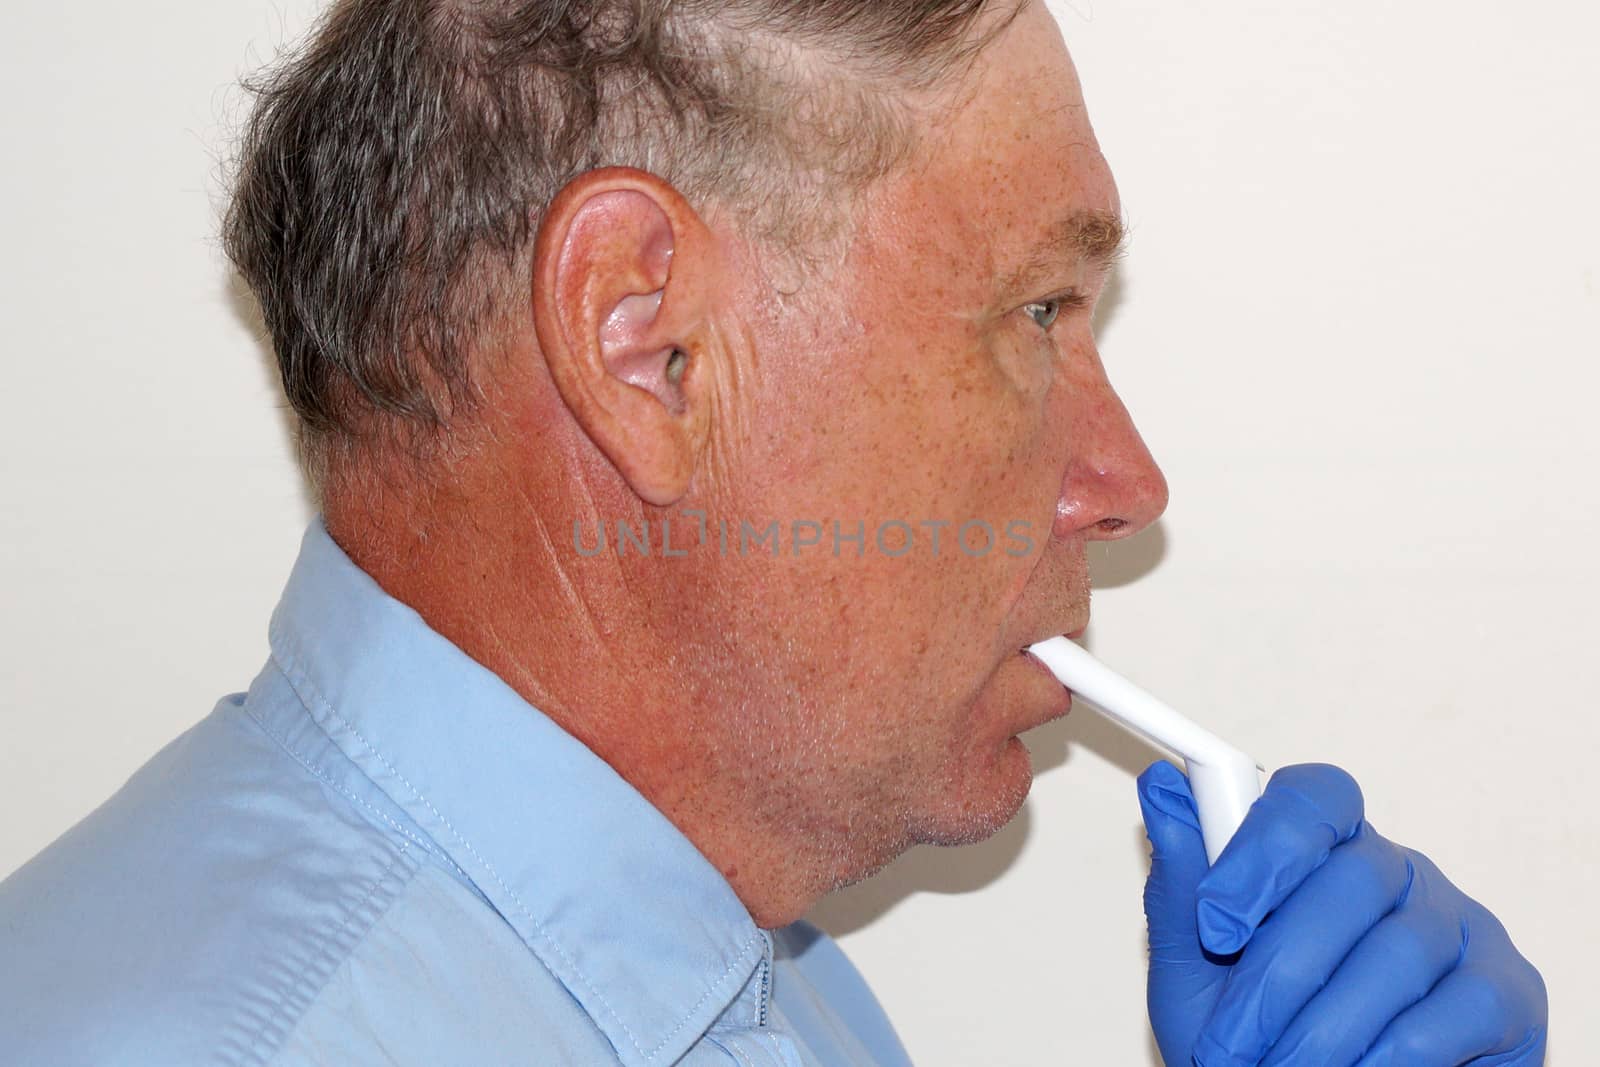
(1071, 635)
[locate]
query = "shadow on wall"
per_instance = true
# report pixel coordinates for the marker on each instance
(928, 869)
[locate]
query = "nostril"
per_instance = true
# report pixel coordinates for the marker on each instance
(1112, 525)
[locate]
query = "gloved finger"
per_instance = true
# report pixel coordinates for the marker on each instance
(1299, 947)
(1488, 1016)
(1306, 811)
(1390, 969)
(1183, 982)
(1177, 863)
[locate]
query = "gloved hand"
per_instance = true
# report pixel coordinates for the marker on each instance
(1315, 941)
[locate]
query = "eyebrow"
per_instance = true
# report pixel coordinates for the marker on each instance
(1097, 238)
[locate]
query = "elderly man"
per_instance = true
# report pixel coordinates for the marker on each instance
(704, 415)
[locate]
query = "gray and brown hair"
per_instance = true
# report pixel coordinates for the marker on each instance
(394, 170)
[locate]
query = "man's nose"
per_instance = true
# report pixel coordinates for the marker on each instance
(1113, 487)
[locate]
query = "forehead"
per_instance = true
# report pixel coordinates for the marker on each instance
(1012, 168)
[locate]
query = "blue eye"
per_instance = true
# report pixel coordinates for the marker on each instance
(1045, 312)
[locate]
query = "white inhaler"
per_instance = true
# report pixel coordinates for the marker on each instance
(1225, 781)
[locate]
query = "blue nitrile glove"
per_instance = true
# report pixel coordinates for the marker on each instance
(1354, 950)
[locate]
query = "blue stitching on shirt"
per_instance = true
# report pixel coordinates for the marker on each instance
(734, 1052)
(283, 743)
(366, 897)
(293, 673)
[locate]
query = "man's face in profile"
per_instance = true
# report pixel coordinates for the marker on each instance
(946, 373)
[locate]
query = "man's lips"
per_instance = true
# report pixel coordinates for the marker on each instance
(1070, 635)
(1061, 697)
(1038, 665)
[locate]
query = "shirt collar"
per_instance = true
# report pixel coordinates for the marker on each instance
(644, 932)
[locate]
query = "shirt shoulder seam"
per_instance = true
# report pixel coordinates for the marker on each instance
(321, 776)
(265, 1041)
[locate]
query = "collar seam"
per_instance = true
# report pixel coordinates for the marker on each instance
(732, 968)
(327, 780)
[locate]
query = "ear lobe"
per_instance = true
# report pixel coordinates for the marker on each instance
(621, 268)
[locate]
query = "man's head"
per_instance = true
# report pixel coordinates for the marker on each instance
(394, 170)
(923, 369)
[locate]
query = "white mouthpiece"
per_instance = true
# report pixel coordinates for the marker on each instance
(1225, 781)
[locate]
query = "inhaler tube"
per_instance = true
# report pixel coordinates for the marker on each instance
(1225, 781)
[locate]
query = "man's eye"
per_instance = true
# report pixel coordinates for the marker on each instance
(1045, 312)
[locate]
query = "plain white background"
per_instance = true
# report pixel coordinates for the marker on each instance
(1358, 326)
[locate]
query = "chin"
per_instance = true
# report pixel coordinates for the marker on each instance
(981, 800)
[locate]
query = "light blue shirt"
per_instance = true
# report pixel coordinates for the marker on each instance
(381, 854)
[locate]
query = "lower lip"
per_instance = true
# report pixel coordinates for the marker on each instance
(1065, 704)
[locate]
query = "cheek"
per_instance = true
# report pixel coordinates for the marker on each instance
(994, 461)
(946, 427)
(1024, 359)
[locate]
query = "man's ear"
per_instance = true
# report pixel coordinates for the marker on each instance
(621, 273)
